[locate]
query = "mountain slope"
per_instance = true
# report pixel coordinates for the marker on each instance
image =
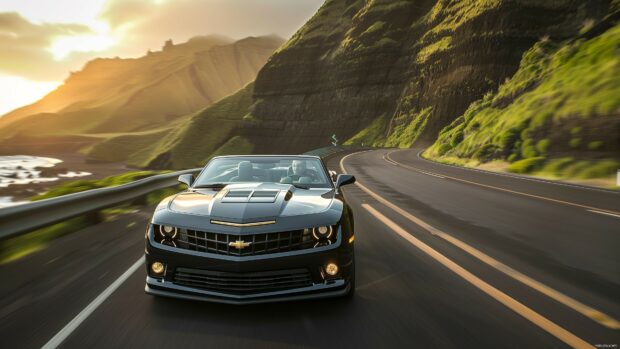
(559, 115)
(110, 97)
(188, 143)
(393, 73)
(406, 68)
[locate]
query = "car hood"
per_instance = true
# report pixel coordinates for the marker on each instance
(252, 202)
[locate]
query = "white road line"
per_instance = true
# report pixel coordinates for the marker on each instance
(577, 306)
(511, 303)
(525, 178)
(605, 213)
(507, 190)
(432, 174)
(90, 308)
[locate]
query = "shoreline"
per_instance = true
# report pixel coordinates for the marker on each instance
(71, 163)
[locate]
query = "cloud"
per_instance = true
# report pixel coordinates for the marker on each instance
(43, 51)
(24, 46)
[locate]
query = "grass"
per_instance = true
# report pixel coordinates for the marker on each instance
(23, 245)
(373, 135)
(551, 109)
(82, 184)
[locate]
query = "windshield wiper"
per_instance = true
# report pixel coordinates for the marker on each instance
(301, 186)
(211, 186)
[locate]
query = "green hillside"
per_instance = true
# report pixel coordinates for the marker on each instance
(189, 143)
(558, 116)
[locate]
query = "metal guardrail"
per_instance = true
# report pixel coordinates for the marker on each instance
(20, 219)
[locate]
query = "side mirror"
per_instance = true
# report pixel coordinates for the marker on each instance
(344, 179)
(187, 179)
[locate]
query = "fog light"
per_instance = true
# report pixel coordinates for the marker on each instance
(331, 269)
(157, 268)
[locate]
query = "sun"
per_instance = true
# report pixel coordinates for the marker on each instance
(100, 40)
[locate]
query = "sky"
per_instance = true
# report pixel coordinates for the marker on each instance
(41, 41)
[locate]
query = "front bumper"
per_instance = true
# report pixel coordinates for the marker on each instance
(312, 260)
(168, 289)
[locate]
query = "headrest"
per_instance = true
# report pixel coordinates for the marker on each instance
(244, 171)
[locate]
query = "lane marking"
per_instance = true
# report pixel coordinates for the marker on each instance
(509, 190)
(519, 308)
(579, 307)
(432, 174)
(390, 160)
(525, 178)
(605, 213)
(90, 308)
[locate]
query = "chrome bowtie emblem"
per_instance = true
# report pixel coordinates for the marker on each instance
(239, 244)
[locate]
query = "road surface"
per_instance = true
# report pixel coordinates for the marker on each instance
(446, 257)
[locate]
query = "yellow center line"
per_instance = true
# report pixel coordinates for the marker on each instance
(581, 308)
(519, 308)
(387, 157)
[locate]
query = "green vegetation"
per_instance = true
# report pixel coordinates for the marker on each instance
(185, 144)
(408, 128)
(20, 246)
(437, 46)
(235, 146)
(373, 135)
(526, 165)
(82, 184)
(548, 118)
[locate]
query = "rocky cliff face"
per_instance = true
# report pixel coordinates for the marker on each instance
(391, 73)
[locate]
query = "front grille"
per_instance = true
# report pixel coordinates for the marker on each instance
(246, 245)
(243, 283)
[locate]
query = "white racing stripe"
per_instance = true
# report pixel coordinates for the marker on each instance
(91, 307)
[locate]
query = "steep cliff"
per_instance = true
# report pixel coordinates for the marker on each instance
(558, 116)
(391, 73)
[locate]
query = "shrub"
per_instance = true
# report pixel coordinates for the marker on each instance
(443, 148)
(457, 138)
(595, 145)
(527, 165)
(557, 166)
(600, 169)
(574, 142)
(528, 149)
(485, 153)
(543, 145)
(513, 157)
(508, 138)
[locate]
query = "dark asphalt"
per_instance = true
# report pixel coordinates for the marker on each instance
(404, 297)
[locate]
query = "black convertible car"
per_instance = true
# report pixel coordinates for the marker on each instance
(253, 229)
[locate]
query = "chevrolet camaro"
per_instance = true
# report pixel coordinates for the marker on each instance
(252, 229)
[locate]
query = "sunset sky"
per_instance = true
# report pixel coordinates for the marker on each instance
(42, 40)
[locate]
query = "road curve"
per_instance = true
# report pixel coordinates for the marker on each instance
(407, 295)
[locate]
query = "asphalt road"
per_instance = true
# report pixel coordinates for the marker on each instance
(446, 257)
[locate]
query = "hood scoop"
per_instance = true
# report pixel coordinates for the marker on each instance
(262, 196)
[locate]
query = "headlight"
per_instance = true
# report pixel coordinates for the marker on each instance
(168, 234)
(323, 235)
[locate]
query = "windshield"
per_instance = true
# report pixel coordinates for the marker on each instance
(299, 171)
